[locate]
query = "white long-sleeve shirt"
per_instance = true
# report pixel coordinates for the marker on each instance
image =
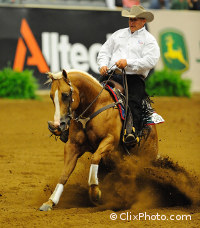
(140, 49)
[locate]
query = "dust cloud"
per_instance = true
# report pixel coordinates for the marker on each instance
(137, 185)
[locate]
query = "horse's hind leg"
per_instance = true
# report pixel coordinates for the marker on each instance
(106, 145)
(71, 154)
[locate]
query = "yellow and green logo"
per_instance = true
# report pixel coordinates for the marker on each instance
(174, 50)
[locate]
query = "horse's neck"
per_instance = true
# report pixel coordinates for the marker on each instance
(88, 89)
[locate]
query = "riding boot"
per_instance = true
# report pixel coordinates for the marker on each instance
(130, 137)
(136, 93)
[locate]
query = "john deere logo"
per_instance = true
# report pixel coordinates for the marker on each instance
(174, 51)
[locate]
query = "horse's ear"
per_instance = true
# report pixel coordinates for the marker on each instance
(50, 78)
(64, 73)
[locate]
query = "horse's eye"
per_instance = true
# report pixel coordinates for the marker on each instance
(65, 96)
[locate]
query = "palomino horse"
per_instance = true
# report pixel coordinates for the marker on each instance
(72, 92)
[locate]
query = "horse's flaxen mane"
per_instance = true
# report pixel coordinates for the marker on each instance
(51, 76)
(89, 76)
(55, 75)
(59, 75)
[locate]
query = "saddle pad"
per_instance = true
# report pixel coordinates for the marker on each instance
(152, 119)
(116, 98)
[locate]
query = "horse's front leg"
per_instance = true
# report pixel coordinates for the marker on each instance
(71, 154)
(106, 146)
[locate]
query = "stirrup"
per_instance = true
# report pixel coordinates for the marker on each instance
(130, 139)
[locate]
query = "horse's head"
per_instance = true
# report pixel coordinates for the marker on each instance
(65, 99)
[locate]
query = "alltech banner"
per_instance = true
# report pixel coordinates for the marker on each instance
(52, 39)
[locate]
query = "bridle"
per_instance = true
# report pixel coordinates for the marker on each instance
(68, 117)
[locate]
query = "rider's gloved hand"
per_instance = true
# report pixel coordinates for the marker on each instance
(122, 63)
(103, 70)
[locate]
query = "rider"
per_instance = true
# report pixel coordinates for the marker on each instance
(135, 50)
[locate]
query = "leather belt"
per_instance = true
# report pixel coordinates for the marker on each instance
(117, 71)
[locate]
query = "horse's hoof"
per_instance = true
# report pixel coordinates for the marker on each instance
(95, 194)
(46, 207)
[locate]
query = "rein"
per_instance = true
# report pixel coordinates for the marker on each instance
(126, 107)
(126, 96)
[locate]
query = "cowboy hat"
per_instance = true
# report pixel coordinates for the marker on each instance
(139, 12)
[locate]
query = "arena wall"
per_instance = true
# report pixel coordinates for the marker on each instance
(183, 27)
(50, 39)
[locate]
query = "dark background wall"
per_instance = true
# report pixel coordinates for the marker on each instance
(85, 27)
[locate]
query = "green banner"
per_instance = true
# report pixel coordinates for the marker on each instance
(174, 50)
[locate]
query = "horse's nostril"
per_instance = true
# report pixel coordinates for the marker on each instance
(51, 125)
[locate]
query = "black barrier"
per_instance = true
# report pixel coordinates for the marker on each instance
(51, 39)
